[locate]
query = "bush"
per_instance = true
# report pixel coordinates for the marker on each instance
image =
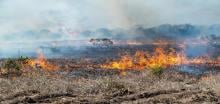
(157, 70)
(11, 66)
(14, 66)
(23, 60)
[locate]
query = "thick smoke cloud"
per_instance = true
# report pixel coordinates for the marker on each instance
(26, 25)
(59, 20)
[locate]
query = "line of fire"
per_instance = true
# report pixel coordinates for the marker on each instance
(128, 55)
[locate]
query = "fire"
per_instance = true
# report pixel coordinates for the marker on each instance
(158, 59)
(144, 60)
(42, 62)
(123, 64)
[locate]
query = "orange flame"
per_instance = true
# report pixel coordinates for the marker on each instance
(158, 59)
(42, 62)
(143, 60)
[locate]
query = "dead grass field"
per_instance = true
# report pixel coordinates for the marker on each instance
(136, 87)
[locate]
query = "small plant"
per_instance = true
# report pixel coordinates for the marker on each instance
(23, 60)
(157, 70)
(11, 66)
(14, 65)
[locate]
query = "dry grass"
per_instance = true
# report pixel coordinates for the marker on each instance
(212, 82)
(140, 88)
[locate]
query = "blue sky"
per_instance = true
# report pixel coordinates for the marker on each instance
(77, 15)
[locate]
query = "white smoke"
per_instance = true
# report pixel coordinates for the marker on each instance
(18, 16)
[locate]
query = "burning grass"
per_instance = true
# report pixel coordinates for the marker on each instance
(143, 60)
(86, 81)
(157, 61)
(42, 62)
(24, 65)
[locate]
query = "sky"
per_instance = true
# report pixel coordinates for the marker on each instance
(17, 16)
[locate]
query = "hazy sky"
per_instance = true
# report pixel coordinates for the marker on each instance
(22, 15)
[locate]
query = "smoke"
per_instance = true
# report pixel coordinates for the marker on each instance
(35, 21)
(22, 16)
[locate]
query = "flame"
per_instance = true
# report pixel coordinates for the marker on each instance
(42, 62)
(143, 60)
(158, 59)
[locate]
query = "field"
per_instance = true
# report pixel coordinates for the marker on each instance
(81, 80)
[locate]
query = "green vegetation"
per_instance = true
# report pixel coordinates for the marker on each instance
(11, 65)
(157, 70)
(14, 66)
(23, 60)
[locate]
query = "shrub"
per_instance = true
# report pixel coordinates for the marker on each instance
(14, 66)
(157, 70)
(23, 60)
(11, 66)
